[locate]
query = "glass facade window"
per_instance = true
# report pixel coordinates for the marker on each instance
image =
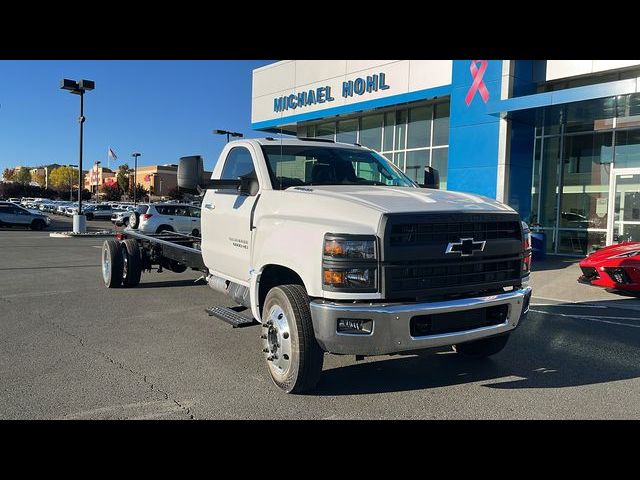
(582, 158)
(627, 154)
(535, 183)
(326, 130)
(411, 137)
(416, 161)
(311, 131)
(347, 131)
(371, 132)
(439, 161)
(401, 129)
(626, 221)
(419, 129)
(441, 124)
(585, 188)
(389, 125)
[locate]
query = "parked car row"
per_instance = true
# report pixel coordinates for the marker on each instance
(172, 216)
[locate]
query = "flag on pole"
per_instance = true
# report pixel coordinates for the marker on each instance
(112, 154)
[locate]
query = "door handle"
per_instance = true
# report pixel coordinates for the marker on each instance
(209, 206)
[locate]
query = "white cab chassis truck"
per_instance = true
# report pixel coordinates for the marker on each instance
(330, 248)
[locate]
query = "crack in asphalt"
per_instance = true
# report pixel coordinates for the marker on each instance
(106, 356)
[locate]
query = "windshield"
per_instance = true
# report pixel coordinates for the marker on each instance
(301, 165)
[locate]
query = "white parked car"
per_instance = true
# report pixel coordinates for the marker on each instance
(12, 215)
(62, 207)
(171, 217)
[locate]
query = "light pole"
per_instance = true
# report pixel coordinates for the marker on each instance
(78, 88)
(135, 156)
(228, 134)
(95, 164)
(155, 192)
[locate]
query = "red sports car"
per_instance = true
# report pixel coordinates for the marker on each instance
(615, 266)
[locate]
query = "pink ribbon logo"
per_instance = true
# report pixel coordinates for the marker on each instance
(478, 84)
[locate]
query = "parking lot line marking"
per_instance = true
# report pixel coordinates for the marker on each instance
(571, 305)
(39, 294)
(590, 318)
(45, 267)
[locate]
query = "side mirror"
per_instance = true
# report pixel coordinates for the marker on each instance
(190, 173)
(431, 178)
(248, 186)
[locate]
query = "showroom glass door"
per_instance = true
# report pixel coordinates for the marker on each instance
(624, 216)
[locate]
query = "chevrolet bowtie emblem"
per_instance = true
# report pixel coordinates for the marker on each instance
(465, 247)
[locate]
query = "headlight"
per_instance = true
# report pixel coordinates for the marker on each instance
(350, 278)
(354, 248)
(526, 246)
(350, 263)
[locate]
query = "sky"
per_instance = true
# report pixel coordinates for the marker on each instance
(164, 109)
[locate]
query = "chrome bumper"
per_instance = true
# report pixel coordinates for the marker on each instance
(391, 323)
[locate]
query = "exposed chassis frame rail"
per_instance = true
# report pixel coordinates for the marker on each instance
(172, 246)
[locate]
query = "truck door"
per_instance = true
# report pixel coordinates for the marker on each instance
(225, 221)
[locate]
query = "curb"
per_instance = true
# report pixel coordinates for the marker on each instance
(104, 233)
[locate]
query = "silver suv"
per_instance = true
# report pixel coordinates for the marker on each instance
(98, 211)
(14, 215)
(172, 217)
(120, 217)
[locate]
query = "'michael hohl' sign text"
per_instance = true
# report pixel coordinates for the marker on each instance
(359, 86)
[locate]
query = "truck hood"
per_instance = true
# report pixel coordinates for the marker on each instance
(405, 199)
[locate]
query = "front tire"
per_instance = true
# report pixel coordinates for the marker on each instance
(38, 225)
(89, 216)
(294, 358)
(483, 348)
(112, 263)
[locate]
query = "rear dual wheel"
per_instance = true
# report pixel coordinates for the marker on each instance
(121, 263)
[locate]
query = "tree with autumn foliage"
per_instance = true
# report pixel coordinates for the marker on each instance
(8, 174)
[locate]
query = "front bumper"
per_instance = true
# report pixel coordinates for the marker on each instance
(391, 323)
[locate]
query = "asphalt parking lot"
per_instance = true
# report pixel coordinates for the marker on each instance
(72, 349)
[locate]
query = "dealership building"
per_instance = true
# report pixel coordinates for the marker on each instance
(558, 140)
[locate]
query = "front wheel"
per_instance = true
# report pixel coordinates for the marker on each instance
(483, 348)
(89, 216)
(293, 355)
(38, 225)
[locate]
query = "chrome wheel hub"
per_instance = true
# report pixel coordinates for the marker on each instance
(125, 265)
(276, 339)
(106, 265)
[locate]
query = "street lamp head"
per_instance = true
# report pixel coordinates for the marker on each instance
(77, 87)
(87, 84)
(227, 132)
(67, 84)
(136, 154)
